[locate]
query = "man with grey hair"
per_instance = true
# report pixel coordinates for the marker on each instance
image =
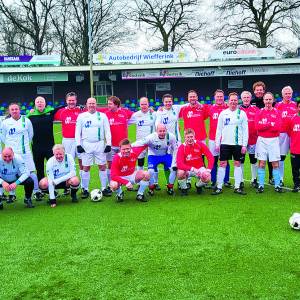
(61, 174)
(287, 109)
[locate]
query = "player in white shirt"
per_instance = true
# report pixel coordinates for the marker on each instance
(93, 140)
(17, 133)
(162, 146)
(169, 115)
(61, 174)
(13, 172)
(231, 140)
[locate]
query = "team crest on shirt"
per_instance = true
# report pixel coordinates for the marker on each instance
(124, 169)
(227, 121)
(296, 127)
(284, 114)
(4, 171)
(68, 120)
(189, 157)
(215, 116)
(165, 120)
(111, 121)
(190, 114)
(141, 123)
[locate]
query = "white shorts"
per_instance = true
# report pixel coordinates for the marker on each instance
(114, 150)
(130, 178)
(251, 149)
(143, 154)
(70, 147)
(267, 149)
(284, 143)
(93, 152)
(212, 148)
(193, 174)
(28, 159)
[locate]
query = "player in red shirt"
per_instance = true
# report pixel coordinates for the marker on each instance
(118, 118)
(68, 116)
(288, 109)
(123, 171)
(213, 114)
(190, 162)
(293, 129)
(268, 125)
(251, 112)
(194, 115)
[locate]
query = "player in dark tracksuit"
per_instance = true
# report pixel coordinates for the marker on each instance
(43, 139)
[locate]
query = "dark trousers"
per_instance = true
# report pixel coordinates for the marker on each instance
(39, 156)
(295, 162)
(28, 187)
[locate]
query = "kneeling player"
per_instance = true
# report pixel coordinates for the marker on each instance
(123, 171)
(13, 172)
(190, 162)
(61, 174)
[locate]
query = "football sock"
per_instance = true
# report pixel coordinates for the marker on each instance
(85, 180)
(119, 191)
(220, 177)
(108, 175)
(139, 168)
(253, 171)
(261, 176)
(276, 176)
(80, 174)
(281, 169)
(214, 170)
(142, 186)
(152, 176)
(74, 189)
(172, 177)
(227, 173)
(182, 184)
(51, 190)
(237, 176)
(242, 172)
(103, 179)
(156, 177)
(35, 182)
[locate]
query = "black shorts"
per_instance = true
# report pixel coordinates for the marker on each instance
(62, 185)
(229, 151)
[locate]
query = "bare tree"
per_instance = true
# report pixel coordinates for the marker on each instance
(254, 22)
(30, 19)
(71, 24)
(174, 22)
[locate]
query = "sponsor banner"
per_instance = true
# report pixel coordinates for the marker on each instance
(242, 53)
(30, 60)
(33, 77)
(211, 72)
(138, 58)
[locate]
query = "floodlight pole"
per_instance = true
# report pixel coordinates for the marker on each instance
(90, 34)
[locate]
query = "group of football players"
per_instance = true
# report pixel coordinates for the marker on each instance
(259, 126)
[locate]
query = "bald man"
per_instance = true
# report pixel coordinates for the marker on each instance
(93, 140)
(13, 172)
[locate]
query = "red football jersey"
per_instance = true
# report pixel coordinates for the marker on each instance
(194, 117)
(251, 112)
(124, 166)
(268, 123)
(213, 113)
(68, 118)
(189, 156)
(118, 122)
(294, 133)
(287, 110)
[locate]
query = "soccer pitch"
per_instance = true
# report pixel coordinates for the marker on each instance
(195, 247)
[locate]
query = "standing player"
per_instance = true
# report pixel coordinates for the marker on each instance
(213, 113)
(91, 134)
(162, 147)
(123, 172)
(118, 118)
(288, 109)
(17, 133)
(231, 140)
(259, 89)
(68, 116)
(13, 172)
(251, 112)
(294, 133)
(268, 125)
(190, 162)
(61, 174)
(169, 115)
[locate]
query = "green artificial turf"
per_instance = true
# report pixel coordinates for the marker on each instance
(195, 247)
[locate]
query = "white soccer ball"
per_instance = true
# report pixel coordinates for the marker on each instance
(295, 221)
(96, 195)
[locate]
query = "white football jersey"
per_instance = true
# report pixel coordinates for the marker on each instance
(157, 146)
(145, 123)
(17, 134)
(60, 171)
(92, 128)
